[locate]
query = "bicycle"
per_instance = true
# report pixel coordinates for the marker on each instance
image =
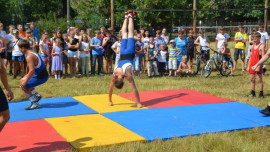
(208, 67)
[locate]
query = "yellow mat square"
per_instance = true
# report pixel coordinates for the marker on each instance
(100, 103)
(86, 131)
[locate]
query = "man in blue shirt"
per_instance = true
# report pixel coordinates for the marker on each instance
(97, 51)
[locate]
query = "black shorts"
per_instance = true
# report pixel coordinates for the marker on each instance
(205, 54)
(108, 54)
(3, 101)
(9, 55)
(3, 55)
(238, 52)
(190, 54)
(162, 67)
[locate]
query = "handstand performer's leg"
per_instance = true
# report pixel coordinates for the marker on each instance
(124, 29)
(130, 28)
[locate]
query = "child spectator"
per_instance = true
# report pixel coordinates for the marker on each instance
(183, 68)
(191, 48)
(172, 58)
(73, 45)
(85, 55)
(240, 45)
(21, 32)
(152, 53)
(227, 56)
(257, 52)
(17, 55)
(9, 48)
(57, 66)
(116, 48)
(136, 60)
(2, 32)
(145, 44)
(162, 59)
(44, 48)
(65, 53)
(250, 40)
(108, 41)
(181, 43)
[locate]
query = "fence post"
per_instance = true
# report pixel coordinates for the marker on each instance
(112, 15)
(194, 16)
(265, 15)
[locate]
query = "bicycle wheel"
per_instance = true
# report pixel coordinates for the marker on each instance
(198, 64)
(227, 70)
(207, 69)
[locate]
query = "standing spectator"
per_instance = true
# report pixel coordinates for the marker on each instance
(102, 36)
(145, 44)
(141, 55)
(2, 47)
(108, 41)
(44, 48)
(240, 45)
(162, 59)
(35, 31)
(89, 37)
(77, 33)
(2, 32)
(250, 41)
(257, 52)
(57, 66)
(73, 45)
(220, 39)
(181, 43)
(65, 53)
(97, 52)
(136, 60)
(204, 43)
(172, 58)
(227, 57)
(85, 55)
(17, 55)
(21, 31)
(165, 36)
(116, 48)
(191, 48)
(152, 54)
(158, 41)
(264, 37)
(142, 31)
(9, 37)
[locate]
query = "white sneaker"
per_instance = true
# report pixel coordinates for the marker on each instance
(34, 105)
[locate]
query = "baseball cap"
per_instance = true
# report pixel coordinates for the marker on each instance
(15, 31)
(172, 41)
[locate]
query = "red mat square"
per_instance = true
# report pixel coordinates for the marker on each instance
(170, 98)
(31, 136)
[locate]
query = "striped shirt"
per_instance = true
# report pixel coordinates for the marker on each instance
(172, 52)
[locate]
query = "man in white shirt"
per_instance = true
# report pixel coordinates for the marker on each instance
(264, 37)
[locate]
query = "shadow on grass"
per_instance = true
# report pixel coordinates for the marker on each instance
(78, 143)
(50, 146)
(58, 104)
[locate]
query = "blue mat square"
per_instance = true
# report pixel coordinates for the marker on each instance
(166, 123)
(18, 112)
(49, 108)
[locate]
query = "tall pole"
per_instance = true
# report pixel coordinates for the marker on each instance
(265, 15)
(112, 14)
(68, 13)
(194, 15)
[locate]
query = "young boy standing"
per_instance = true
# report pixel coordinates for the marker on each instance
(36, 76)
(220, 39)
(152, 53)
(265, 111)
(172, 58)
(136, 61)
(240, 45)
(227, 56)
(257, 52)
(97, 52)
(191, 49)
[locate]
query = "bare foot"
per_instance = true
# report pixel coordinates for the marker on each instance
(110, 104)
(139, 105)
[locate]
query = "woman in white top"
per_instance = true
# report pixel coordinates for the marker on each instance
(204, 44)
(85, 54)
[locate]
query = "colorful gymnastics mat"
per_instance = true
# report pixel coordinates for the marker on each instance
(83, 122)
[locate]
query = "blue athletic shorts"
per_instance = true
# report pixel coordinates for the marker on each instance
(127, 46)
(33, 82)
(3, 101)
(18, 58)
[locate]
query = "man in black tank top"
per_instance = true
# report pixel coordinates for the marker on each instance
(120, 73)
(4, 109)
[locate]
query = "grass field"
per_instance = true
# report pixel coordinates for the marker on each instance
(234, 88)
